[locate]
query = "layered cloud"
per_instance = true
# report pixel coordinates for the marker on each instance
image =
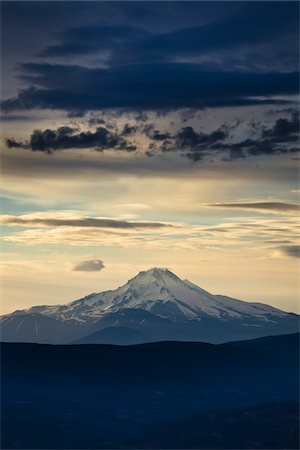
(203, 55)
(223, 237)
(33, 220)
(94, 39)
(208, 56)
(230, 32)
(262, 206)
(144, 86)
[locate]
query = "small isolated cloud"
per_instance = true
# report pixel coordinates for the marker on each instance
(266, 207)
(90, 265)
(292, 251)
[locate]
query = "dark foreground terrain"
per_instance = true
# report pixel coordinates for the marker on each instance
(163, 395)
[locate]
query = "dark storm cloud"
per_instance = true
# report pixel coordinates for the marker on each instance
(86, 222)
(90, 39)
(144, 86)
(198, 144)
(65, 138)
(152, 55)
(221, 35)
(263, 206)
(191, 144)
(129, 129)
(281, 137)
(284, 129)
(152, 133)
(292, 251)
(90, 265)
(229, 43)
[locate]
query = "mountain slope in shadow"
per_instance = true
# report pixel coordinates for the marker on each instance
(114, 336)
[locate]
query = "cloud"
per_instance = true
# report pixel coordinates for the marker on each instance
(284, 130)
(152, 133)
(66, 138)
(281, 137)
(198, 144)
(191, 144)
(145, 138)
(265, 207)
(259, 234)
(215, 41)
(90, 265)
(33, 220)
(144, 86)
(205, 55)
(292, 251)
(93, 39)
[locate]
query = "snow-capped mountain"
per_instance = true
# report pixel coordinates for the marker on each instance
(154, 305)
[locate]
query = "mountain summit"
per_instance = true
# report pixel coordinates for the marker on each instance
(154, 305)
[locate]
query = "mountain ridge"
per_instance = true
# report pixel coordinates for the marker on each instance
(156, 304)
(151, 395)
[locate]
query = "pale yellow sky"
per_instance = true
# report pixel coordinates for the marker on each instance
(246, 253)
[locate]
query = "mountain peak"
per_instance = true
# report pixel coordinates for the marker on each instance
(157, 303)
(158, 275)
(157, 272)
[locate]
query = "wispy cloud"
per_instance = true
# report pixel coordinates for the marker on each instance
(86, 222)
(260, 235)
(261, 206)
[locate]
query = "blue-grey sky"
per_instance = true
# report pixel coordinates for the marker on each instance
(140, 134)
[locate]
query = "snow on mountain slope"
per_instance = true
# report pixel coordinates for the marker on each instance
(155, 304)
(162, 293)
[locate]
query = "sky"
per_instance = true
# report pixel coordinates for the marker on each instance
(149, 134)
